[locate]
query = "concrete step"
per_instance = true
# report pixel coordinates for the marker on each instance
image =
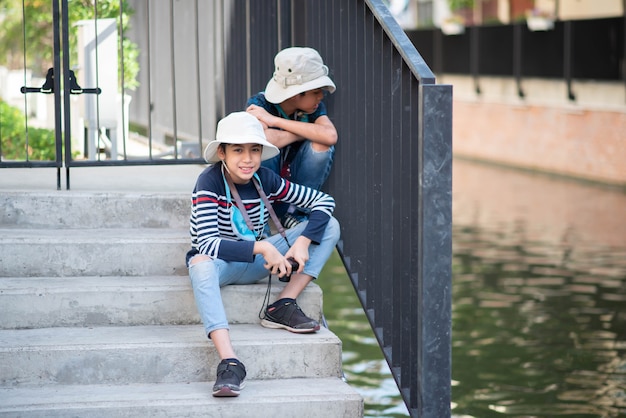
(44, 302)
(98, 319)
(93, 252)
(311, 398)
(71, 209)
(158, 354)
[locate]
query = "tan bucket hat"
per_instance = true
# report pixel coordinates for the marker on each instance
(297, 69)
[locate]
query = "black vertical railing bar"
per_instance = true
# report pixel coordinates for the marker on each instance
(374, 178)
(372, 51)
(58, 132)
(437, 51)
(67, 131)
(283, 23)
(474, 56)
(149, 77)
(361, 119)
(25, 97)
(248, 67)
(413, 395)
(326, 23)
(261, 49)
(198, 77)
(296, 14)
(173, 79)
(363, 152)
(219, 61)
(393, 318)
(383, 274)
(410, 310)
(568, 50)
(299, 23)
(97, 98)
(235, 88)
(345, 150)
(365, 156)
(517, 57)
(623, 67)
(341, 66)
(122, 81)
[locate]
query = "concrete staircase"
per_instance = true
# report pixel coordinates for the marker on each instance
(97, 319)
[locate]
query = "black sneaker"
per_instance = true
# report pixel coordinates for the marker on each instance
(286, 314)
(230, 378)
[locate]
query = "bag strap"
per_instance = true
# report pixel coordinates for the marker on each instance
(256, 181)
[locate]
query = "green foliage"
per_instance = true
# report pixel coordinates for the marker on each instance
(16, 144)
(460, 4)
(37, 29)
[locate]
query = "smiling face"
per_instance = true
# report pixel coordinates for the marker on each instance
(242, 160)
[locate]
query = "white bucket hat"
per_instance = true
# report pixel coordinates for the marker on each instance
(297, 69)
(239, 128)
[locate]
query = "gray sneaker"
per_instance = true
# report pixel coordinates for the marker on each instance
(286, 314)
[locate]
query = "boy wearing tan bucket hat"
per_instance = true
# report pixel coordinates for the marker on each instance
(230, 209)
(295, 120)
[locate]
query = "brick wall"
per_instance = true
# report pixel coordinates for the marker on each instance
(544, 131)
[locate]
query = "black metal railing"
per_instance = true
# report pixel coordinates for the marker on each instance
(592, 49)
(391, 177)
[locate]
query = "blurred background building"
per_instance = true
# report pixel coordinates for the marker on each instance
(538, 84)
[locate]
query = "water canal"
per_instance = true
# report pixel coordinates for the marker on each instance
(539, 302)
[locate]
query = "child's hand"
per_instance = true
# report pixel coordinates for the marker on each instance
(261, 114)
(275, 262)
(299, 251)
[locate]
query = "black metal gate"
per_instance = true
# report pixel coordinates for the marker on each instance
(88, 75)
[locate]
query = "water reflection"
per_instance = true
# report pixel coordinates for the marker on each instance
(539, 270)
(539, 302)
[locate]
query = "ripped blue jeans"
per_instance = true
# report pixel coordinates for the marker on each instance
(208, 276)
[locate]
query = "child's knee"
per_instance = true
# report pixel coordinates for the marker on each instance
(319, 147)
(198, 258)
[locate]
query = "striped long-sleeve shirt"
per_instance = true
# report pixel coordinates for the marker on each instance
(210, 227)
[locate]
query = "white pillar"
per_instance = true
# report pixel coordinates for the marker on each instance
(97, 67)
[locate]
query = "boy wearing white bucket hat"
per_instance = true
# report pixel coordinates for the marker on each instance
(295, 120)
(229, 244)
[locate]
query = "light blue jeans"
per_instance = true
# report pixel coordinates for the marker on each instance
(309, 168)
(208, 276)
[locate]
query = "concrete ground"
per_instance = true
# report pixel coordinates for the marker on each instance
(160, 178)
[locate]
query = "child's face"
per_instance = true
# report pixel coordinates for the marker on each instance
(309, 101)
(242, 160)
